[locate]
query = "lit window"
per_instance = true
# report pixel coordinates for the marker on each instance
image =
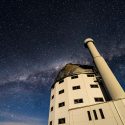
(101, 113)
(51, 108)
(74, 77)
(52, 96)
(90, 75)
(89, 115)
(94, 86)
(61, 121)
(78, 101)
(75, 87)
(61, 81)
(61, 104)
(50, 123)
(61, 91)
(95, 114)
(99, 99)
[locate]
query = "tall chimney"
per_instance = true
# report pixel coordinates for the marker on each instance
(111, 83)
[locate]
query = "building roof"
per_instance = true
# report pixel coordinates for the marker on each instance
(73, 69)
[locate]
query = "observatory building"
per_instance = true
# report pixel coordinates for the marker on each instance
(87, 95)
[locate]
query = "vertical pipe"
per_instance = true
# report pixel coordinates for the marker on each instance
(112, 85)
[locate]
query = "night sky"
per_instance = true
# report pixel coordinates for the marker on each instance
(38, 37)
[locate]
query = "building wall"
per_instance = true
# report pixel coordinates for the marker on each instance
(120, 107)
(52, 104)
(114, 114)
(61, 112)
(89, 112)
(85, 92)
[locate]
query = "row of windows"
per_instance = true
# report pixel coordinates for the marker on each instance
(72, 77)
(77, 87)
(80, 100)
(75, 77)
(60, 105)
(63, 121)
(60, 121)
(97, 99)
(95, 114)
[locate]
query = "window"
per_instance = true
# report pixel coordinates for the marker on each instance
(61, 121)
(90, 75)
(74, 77)
(94, 86)
(95, 115)
(78, 101)
(75, 87)
(61, 104)
(50, 123)
(61, 91)
(51, 108)
(52, 96)
(101, 113)
(89, 115)
(99, 99)
(52, 86)
(95, 81)
(61, 81)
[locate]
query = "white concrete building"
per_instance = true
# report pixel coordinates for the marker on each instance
(80, 96)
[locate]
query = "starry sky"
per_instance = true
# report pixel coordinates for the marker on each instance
(38, 37)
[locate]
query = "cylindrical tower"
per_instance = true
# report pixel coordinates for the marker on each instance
(112, 85)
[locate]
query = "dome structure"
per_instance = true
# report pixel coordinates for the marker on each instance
(73, 69)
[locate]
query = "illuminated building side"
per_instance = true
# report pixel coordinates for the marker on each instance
(79, 96)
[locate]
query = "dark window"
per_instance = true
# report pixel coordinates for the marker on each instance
(89, 115)
(52, 96)
(74, 77)
(78, 101)
(61, 91)
(50, 123)
(101, 113)
(61, 104)
(90, 75)
(75, 87)
(99, 100)
(61, 81)
(95, 115)
(94, 86)
(53, 86)
(51, 108)
(61, 121)
(95, 81)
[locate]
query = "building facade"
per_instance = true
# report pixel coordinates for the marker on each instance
(79, 96)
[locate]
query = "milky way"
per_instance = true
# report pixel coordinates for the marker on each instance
(37, 38)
